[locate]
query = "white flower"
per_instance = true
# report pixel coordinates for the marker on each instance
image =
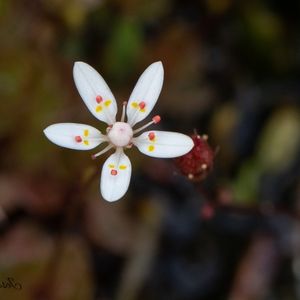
(94, 91)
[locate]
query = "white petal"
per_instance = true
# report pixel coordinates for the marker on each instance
(74, 136)
(145, 93)
(163, 143)
(92, 87)
(115, 177)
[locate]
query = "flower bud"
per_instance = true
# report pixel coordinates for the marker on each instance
(197, 163)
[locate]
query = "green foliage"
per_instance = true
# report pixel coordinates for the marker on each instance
(123, 49)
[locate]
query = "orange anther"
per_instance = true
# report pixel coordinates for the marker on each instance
(142, 105)
(156, 119)
(151, 136)
(99, 99)
(114, 172)
(78, 139)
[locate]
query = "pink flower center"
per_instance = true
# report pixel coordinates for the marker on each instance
(120, 134)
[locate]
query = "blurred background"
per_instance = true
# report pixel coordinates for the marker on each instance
(182, 232)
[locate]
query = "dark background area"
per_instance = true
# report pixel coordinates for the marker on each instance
(232, 72)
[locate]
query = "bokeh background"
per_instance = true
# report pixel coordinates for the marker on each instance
(232, 72)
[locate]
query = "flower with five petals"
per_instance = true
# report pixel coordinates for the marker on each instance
(116, 171)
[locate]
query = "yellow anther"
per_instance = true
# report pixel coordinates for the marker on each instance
(98, 108)
(111, 166)
(134, 104)
(142, 110)
(86, 142)
(151, 148)
(107, 103)
(122, 167)
(86, 132)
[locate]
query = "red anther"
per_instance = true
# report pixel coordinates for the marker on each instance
(113, 172)
(93, 156)
(99, 99)
(156, 119)
(151, 136)
(142, 105)
(78, 139)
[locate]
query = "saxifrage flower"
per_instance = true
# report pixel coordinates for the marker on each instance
(116, 171)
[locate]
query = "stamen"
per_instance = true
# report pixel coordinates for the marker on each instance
(114, 172)
(123, 111)
(78, 139)
(99, 99)
(155, 120)
(102, 151)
